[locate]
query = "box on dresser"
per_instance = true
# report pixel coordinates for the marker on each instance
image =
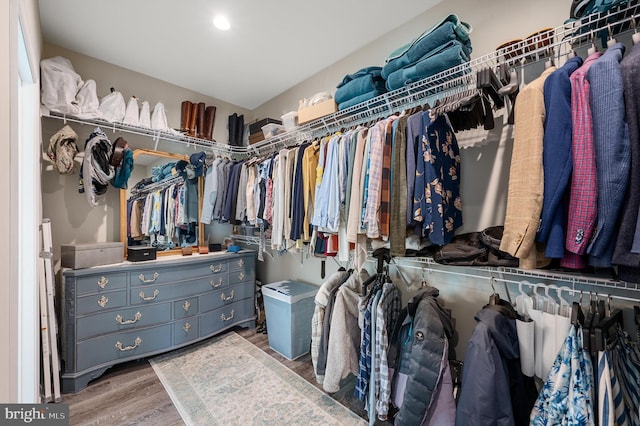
(86, 255)
(141, 253)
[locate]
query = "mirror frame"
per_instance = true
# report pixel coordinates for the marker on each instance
(123, 204)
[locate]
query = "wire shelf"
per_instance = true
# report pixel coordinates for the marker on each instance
(156, 135)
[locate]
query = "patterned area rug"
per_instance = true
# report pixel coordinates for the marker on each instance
(229, 381)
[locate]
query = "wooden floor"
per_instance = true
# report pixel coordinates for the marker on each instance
(132, 394)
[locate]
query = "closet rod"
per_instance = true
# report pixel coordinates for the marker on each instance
(511, 281)
(575, 33)
(157, 185)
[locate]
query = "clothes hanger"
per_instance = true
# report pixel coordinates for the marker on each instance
(551, 306)
(598, 315)
(604, 327)
(611, 41)
(549, 63)
(494, 299)
(593, 48)
(635, 38)
(577, 315)
(424, 282)
(564, 309)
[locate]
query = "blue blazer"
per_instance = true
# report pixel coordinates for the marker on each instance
(625, 256)
(613, 152)
(556, 157)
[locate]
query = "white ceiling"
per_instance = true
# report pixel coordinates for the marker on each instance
(271, 46)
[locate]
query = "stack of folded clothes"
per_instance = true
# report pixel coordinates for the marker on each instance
(445, 45)
(360, 86)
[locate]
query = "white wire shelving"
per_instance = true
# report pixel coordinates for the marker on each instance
(568, 36)
(156, 135)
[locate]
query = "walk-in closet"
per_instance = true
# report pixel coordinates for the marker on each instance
(421, 213)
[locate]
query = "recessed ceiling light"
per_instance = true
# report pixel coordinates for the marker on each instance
(221, 22)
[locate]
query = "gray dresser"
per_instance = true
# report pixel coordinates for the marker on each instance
(115, 313)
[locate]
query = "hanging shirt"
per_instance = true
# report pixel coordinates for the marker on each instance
(437, 202)
(565, 397)
(374, 189)
(210, 193)
(414, 126)
(309, 166)
(388, 311)
(355, 207)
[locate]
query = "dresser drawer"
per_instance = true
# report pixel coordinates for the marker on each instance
(157, 293)
(226, 296)
(226, 316)
(101, 283)
(185, 308)
(185, 330)
(101, 302)
(242, 275)
(131, 344)
(165, 275)
(245, 263)
(122, 319)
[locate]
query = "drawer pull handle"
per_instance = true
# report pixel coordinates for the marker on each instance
(136, 343)
(216, 284)
(224, 318)
(241, 262)
(186, 327)
(186, 305)
(137, 317)
(227, 298)
(215, 269)
(156, 292)
(144, 280)
(241, 275)
(103, 281)
(102, 301)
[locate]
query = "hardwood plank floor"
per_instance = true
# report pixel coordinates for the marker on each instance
(131, 393)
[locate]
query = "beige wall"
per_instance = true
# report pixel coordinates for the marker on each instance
(74, 221)
(494, 22)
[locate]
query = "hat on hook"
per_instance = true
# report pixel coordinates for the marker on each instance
(185, 170)
(197, 161)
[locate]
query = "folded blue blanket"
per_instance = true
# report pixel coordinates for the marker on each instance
(361, 98)
(427, 46)
(372, 71)
(359, 86)
(448, 58)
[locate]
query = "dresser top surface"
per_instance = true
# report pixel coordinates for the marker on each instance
(160, 262)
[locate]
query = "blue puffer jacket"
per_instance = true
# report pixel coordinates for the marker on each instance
(494, 391)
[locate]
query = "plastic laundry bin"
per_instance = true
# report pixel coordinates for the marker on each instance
(288, 306)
